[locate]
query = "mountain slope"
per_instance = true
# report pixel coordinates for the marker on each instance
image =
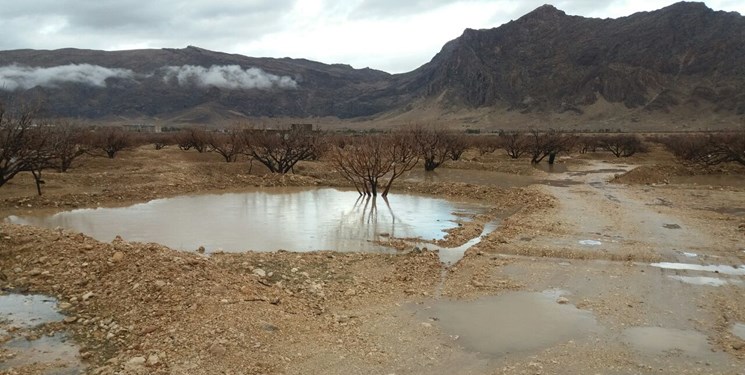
(685, 59)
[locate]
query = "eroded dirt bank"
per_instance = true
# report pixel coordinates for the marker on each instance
(144, 308)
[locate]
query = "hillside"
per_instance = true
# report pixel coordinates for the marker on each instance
(682, 62)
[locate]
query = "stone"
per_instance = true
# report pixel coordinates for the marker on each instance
(153, 360)
(259, 272)
(562, 300)
(64, 305)
(135, 363)
(160, 283)
(70, 319)
(217, 349)
(87, 296)
(34, 272)
(201, 250)
(118, 256)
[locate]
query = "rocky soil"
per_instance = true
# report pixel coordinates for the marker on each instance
(135, 308)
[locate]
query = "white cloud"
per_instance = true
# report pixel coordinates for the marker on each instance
(227, 77)
(13, 77)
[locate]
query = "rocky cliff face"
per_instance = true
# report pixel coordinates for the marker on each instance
(548, 61)
(682, 56)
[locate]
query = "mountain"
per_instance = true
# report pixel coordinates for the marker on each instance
(684, 62)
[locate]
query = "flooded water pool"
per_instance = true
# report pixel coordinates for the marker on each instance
(510, 323)
(293, 219)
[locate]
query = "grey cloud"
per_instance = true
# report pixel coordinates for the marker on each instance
(13, 77)
(110, 24)
(227, 77)
(388, 8)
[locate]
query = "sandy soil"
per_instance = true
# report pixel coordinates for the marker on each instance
(146, 309)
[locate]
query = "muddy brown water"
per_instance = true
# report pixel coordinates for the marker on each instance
(293, 219)
(516, 322)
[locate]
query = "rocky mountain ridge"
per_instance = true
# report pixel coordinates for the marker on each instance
(682, 58)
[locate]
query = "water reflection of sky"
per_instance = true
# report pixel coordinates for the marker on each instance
(271, 219)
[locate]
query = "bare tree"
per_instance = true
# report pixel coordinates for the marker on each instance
(432, 144)
(193, 138)
(549, 143)
(622, 145)
(371, 161)
(456, 145)
(24, 145)
(709, 149)
(514, 143)
(110, 140)
(67, 144)
(229, 144)
(280, 150)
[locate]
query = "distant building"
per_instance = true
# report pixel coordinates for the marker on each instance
(142, 128)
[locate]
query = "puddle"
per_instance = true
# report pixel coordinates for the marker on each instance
(560, 183)
(711, 180)
(510, 323)
(293, 219)
(689, 255)
(590, 243)
(602, 170)
(27, 311)
(735, 211)
(657, 340)
(728, 270)
(55, 352)
(551, 168)
(703, 280)
(739, 330)
(475, 177)
(451, 255)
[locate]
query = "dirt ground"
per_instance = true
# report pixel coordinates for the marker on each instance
(598, 241)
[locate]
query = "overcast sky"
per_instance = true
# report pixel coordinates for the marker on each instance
(391, 35)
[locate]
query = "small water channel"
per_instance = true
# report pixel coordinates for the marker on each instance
(293, 219)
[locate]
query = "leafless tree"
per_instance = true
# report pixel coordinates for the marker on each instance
(622, 145)
(67, 144)
(374, 160)
(514, 143)
(230, 143)
(110, 140)
(549, 143)
(709, 149)
(280, 150)
(456, 145)
(24, 145)
(193, 138)
(432, 144)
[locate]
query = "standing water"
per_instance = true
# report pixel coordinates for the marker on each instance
(269, 219)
